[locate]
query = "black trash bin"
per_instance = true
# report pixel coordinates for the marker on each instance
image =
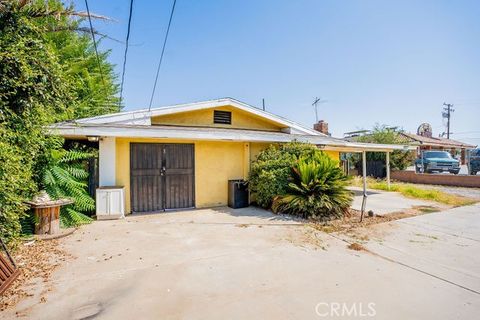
(237, 194)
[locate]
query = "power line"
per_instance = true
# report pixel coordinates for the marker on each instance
(125, 54)
(161, 55)
(95, 44)
(465, 132)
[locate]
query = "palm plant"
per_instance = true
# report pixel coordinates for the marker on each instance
(317, 189)
(65, 176)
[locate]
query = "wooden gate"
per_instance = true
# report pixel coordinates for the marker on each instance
(161, 176)
(8, 270)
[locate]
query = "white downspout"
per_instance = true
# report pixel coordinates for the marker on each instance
(106, 162)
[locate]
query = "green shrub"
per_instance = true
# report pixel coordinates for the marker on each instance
(317, 189)
(15, 186)
(270, 171)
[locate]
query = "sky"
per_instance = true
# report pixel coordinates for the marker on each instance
(372, 61)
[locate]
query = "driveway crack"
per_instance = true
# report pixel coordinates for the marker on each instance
(409, 266)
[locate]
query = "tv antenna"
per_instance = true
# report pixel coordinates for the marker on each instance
(315, 105)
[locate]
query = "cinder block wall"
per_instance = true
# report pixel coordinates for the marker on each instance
(440, 179)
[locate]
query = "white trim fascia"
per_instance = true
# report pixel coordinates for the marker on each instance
(189, 133)
(139, 116)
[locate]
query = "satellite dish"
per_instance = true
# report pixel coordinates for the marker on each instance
(425, 130)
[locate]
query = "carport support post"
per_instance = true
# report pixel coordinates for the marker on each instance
(388, 169)
(364, 178)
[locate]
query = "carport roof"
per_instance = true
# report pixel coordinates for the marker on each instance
(436, 141)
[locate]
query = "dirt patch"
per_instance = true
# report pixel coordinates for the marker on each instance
(356, 246)
(37, 260)
(307, 238)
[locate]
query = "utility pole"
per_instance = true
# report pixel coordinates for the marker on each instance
(447, 111)
(263, 104)
(315, 103)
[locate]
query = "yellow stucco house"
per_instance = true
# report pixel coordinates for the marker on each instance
(182, 156)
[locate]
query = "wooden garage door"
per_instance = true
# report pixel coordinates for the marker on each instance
(162, 176)
(179, 176)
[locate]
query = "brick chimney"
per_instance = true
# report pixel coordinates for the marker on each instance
(321, 126)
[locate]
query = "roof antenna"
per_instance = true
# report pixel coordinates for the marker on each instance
(263, 104)
(315, 103)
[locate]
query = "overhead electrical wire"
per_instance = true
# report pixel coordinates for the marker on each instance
(125, 53)
(161, 55)
(465, 132)
(95, 44)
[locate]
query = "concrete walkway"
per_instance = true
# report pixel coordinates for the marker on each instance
(385, 202)
(250, 264)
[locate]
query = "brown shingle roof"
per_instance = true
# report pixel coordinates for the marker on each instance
(437, 142)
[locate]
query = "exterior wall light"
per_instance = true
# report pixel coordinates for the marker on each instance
(93, 138)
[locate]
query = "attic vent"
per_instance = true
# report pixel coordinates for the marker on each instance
(222, 117)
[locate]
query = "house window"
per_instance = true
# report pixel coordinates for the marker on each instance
(222, 117)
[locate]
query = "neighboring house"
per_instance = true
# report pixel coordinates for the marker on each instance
(423, 140)
(433, 143)
(182, 156)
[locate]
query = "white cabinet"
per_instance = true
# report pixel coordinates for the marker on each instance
(110, 203)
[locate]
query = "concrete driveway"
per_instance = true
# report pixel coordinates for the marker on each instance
(445, 245)
(249, 264)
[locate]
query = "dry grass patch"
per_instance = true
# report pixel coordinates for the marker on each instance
(412, 191)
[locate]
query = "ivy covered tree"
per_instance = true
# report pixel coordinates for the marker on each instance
(32, 94)
(47, 74)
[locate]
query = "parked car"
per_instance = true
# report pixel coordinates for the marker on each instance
(431, 161)
(473, 161)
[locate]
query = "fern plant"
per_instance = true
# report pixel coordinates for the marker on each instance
(65, 176)
(317, 189)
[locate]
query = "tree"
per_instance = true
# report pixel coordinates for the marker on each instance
(93, 82)
(399, 159)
